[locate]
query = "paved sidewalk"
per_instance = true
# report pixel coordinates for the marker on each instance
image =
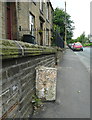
(73, 90)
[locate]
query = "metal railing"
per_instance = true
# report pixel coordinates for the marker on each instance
(58, 40)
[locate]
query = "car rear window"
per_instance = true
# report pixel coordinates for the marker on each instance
(78, 44)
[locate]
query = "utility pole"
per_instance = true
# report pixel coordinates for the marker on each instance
(65, 24)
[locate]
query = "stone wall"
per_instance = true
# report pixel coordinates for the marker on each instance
(20, 21)
(0, 20)
(3, 12)
(22, 9)
(19, 61)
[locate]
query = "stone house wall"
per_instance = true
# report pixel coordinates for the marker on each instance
(3, 20)
(22, 20)
(0, 20)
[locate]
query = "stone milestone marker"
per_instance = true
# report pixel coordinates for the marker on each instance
(46, 83)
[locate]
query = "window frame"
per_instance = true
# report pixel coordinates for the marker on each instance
(41, 5)
(47, 12)
(47, 36)
(31, 23)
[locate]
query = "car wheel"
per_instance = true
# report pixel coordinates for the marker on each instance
(81, 49)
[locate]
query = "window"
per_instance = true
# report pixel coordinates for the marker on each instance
(41, 33)
(34, 1)
(47, 11)
(31, 24)
(41, 5)
(47, 36)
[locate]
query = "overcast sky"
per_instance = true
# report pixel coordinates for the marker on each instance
(79, 10)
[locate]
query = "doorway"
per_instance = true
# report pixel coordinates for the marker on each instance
(41, 33)
(11, 21)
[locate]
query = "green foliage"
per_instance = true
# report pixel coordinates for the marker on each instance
(56, 28)
(82, 38)
(87, 44)
(59, 23)
(36, 101)
(71, 41)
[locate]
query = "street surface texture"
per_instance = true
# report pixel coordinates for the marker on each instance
(73, 90)
(85, 56)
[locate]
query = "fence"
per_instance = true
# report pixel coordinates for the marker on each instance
(58, 40)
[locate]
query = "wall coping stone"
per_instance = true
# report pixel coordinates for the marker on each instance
(15, 49)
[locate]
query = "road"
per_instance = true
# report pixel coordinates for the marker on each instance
(73, 89)
(85, 56)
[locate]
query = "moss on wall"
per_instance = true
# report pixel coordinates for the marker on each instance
(9, 49)
(14, 49)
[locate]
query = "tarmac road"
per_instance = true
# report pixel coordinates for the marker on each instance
(73, 90)
(85, 56)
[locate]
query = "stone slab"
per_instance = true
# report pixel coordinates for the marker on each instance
(46, 83)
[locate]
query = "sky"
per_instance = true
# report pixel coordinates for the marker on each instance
(79, 10)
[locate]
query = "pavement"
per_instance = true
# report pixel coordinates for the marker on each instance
(73, 90)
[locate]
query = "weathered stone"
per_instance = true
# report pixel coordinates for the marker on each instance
(18, 78)
(46, 82)
(9, 63)
(23, 66)
(9, 49)
(13, 70)
(19, 59)
(4, 76)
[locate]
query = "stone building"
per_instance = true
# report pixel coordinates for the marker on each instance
(19, 59)
(0, 20)
(27, 20)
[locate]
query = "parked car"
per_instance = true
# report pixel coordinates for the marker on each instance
(77, 46)
(70, 45)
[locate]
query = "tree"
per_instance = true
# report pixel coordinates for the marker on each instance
(59, 23)
(82, 38)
